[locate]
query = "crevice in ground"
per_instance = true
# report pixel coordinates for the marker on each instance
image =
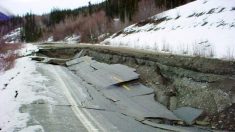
(143, 94)
(171, 70)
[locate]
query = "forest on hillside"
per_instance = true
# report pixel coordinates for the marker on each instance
(89, 22)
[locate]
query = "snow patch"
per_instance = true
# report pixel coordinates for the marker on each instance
(28, 49)
(19, 86)
(72, 39)
(50, 39)
(13, 36)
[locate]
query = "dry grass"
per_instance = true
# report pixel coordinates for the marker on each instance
(8, 55)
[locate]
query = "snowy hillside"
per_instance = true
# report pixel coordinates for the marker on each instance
(201, 28)
(13, 36)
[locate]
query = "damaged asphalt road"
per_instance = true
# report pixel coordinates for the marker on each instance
(93, 96)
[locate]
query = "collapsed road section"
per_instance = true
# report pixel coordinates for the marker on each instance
(110, 80)
(155, 91)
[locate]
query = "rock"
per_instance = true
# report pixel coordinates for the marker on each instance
(202, 123)
(222, 100)
(157, 83)
(225, 119)
(195, 94)
(204, 120)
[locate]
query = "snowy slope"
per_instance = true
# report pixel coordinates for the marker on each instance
(13, 36)
(201, 28)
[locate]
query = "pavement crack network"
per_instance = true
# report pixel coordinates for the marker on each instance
(95, 69)
(110, 99)
(89, 94)
(100, 109)
(142, 122)
(143, 94)
(80, 106)
(75, 63)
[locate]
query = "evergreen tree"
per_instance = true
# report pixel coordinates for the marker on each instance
(31, 31)
(121, 8)
(90, 8)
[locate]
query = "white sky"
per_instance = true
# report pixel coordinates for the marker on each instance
(20, 7)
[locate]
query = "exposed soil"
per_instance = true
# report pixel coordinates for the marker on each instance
(151, 21)
(224, 120)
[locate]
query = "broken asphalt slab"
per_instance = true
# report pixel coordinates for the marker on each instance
(174, 128)
(48, 60)
(188, 114)
(112, 81)
(80, 54)
(78, 60)
(116, 93)
(100, 74)
(134, 99)
(142, 107)
(121, 122)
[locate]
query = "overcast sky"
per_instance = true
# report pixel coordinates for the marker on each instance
(20, 7)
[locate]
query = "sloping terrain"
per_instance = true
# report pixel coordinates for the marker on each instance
(13, 37)
(115, 89)
(3, 17)
(177, 81)
(201, 28)
(4, 14)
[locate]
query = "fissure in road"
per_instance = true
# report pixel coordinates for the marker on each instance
(82, 115)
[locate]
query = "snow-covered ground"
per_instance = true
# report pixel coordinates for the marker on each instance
(13, 36)
(200, 28)
(18, 86)
(72, 39)
(28, 49)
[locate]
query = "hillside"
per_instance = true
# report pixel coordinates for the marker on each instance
(4, 14)
(3, 17)
(91, 23)
(201, 28)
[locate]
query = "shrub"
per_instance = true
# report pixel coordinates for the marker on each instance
(8, 55)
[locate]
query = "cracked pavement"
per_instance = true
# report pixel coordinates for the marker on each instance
(93, 96)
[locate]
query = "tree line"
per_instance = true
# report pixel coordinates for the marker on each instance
(10, 24)
(125, 10)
